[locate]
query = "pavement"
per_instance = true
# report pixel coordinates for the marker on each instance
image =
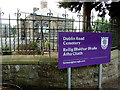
(114, 84)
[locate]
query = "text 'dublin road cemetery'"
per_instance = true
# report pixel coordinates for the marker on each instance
(82, 49)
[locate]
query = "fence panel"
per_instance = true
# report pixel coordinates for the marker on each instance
(38, 34)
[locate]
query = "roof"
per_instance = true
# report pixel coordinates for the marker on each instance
(45, 11)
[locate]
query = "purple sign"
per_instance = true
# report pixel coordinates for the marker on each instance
(81, 49)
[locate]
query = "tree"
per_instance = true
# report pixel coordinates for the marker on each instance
(87, 7)
(101, 26)
(102, 7)
(114, 9)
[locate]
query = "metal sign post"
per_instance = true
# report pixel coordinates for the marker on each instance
(100, 76)
(82, 49)
(69, 77)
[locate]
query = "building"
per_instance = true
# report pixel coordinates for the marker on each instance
(5, 30)
(44, 23)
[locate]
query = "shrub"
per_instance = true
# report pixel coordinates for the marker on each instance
(46, 45)
(28, 49)
(6, 51)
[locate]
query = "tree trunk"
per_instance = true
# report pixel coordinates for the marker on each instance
(115, 16)
(87, 16)
(116, 29)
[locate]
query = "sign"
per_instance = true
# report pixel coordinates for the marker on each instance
(81, 49)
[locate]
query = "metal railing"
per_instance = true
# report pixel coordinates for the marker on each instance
(38, 34)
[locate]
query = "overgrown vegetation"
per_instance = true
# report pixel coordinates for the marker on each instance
(101, 26)
(45, 45)
(28, 49)
(6, 51)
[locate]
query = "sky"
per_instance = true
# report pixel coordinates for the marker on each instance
(11, 6)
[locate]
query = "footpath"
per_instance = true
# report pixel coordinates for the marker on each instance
(113, 84)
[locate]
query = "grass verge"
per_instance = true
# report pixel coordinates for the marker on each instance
(27, 59)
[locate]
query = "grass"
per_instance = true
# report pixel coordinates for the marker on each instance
(26, 59)
(36, 59)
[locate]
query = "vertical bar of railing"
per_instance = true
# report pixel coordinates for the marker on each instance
(42, 36)
(49, 35)
(65, 21)
(25, 30)
(79, 15)
(110, 25)
(57, 32)
(92, 22)
(65, 24)
(1, 36)
(22, 32)
(117, 34)
(72, 24)
(42, 39)
(18, 14)
(53, 38)
(14, 40)
(65, 15)
(102, 28)
(10, 32)
(15, 28)
(29, 29)
(106, 23)
(65, 18)
(50, 15)
(33, 26)
(96, 26)
(1, 27)
(6, 37)
(1, 46)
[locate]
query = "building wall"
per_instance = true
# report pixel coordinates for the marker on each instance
(4, 30)
(31, 28)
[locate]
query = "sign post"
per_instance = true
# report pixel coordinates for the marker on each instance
(100, 76)
(78, 49)
(69, 77)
